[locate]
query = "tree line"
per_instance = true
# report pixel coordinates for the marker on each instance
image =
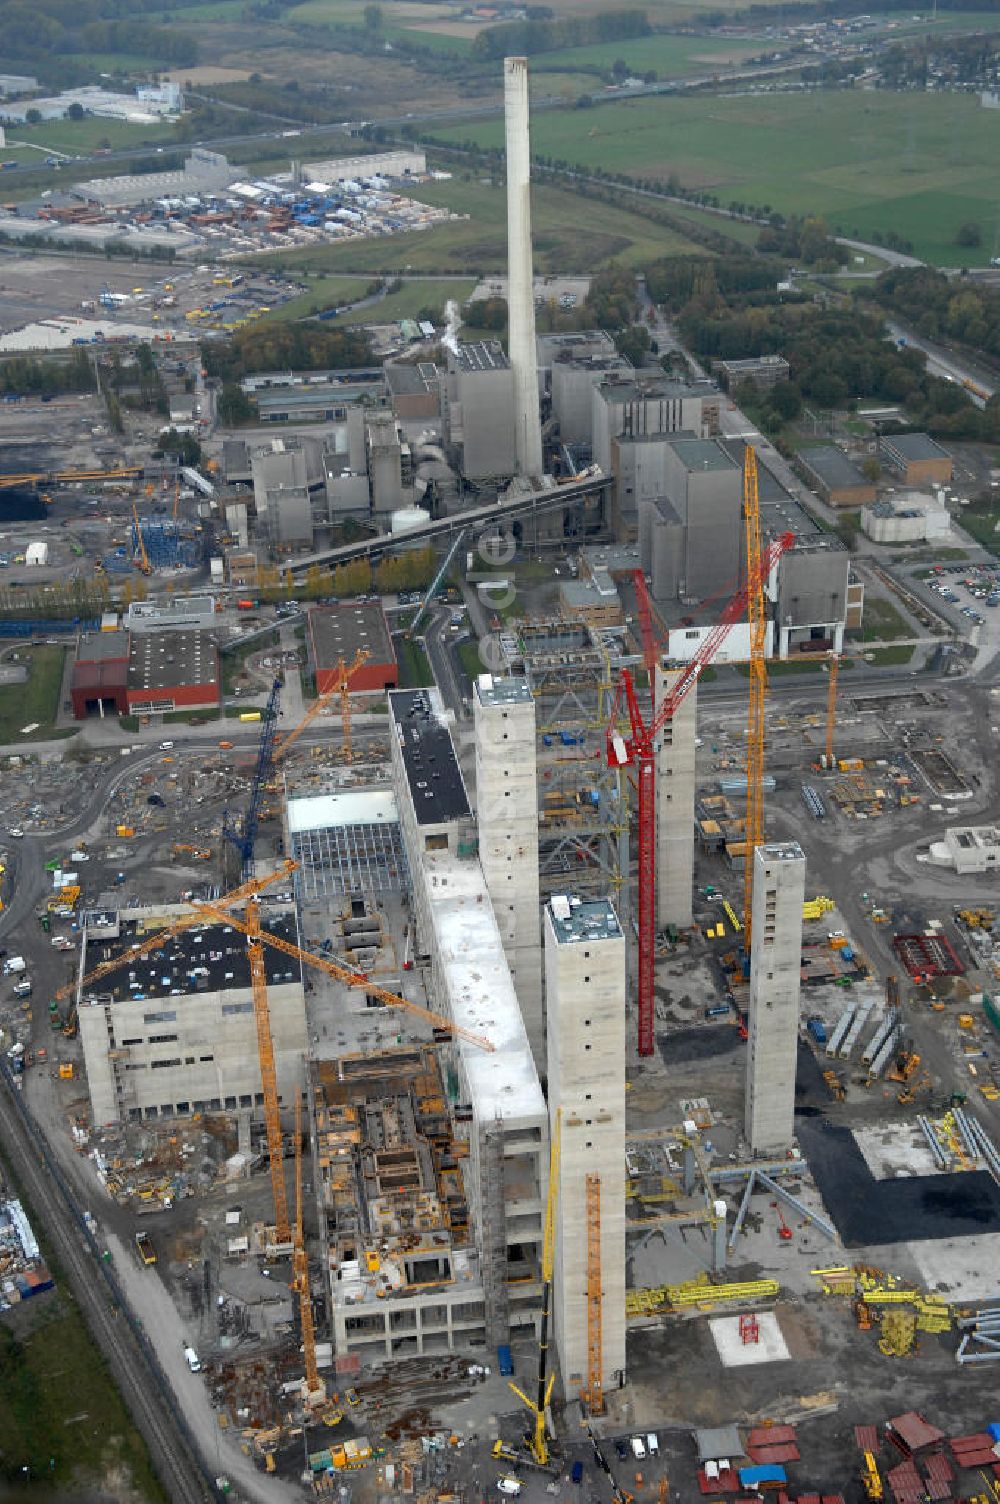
(42, 34)
(528, 38)
(942, 308)
(285, 347)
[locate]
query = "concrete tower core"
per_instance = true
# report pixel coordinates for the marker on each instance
(779, 883)
(521, 295)
(675, 789)
(585, 1016)
(507, 814)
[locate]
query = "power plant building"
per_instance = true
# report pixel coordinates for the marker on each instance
(779, 882)
(480, 420)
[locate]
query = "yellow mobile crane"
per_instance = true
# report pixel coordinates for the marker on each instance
(144, 565)
(536, 1438)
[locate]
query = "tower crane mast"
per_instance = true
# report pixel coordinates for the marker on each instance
(639, 748)
(754, 830)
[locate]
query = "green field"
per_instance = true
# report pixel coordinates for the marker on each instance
(571, 234)
(80, 136)
(35, 701)
(671, 56)
(414, 295)
(918, 164)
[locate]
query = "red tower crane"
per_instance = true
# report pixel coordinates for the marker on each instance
(639, 748)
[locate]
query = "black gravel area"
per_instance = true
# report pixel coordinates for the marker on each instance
(683, 1046)
(913, 1208)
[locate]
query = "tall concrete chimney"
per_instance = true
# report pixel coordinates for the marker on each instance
(521, 299)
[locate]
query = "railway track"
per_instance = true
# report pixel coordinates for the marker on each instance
(136, 1372)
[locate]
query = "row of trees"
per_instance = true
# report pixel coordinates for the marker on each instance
(285, 347)
(527, 38)
(22, 375)
(941, 308)
(41, 33)
(411, 570)
(836, 353)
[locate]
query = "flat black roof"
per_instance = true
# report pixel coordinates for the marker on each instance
(914, 446)
(162, 660)
(832, 467)
(437, 787)
(210, 959)
(481, 355)
(102, 647)
(403, 376)
(341, 631)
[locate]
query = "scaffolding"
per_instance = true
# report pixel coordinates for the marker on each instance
(341, 859)
(166, 544)
(594, 1396)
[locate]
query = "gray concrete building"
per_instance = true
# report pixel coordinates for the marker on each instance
(585, 991)
(675, 795)
(175, 1034)
(690, 541)
(765, 371)
(651, 405)
(507, 815)
(779, 880)
(811, 606)
(480, 410)
(388, 464)
(289, 483)
(573, 378)
(580, 344)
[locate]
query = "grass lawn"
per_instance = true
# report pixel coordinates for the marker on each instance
(882, 622)
(35, 701)
(414, 666)
(671, 56)
(981, 525)
(324, 292)
(468, 657)
(912, 162)
(413, 296)
(76, 136)
(571, 234)
(61, 1414)
(887, 657)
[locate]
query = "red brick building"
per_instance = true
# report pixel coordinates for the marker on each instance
(341, 631)
(172, 670)
(99, 681)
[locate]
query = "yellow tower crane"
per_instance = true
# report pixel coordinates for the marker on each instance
(537, 1439)
(758, 684)
(144, 565)
(594, 1396)
(257, 938)
(831, 705)
(315, 1388)
(341, 686)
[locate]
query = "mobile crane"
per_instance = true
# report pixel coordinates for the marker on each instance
(537, 1439)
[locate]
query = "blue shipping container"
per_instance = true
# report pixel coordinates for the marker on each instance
(504, 1360)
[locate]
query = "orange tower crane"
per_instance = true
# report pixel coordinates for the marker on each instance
(594, 1397)
(315, 1389)
(341, 686)
(831, 705)
(268, 1074)
(756, 578)
(638, 747)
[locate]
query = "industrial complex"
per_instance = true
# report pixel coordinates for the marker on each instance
(504, 973)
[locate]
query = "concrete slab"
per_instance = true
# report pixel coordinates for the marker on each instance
(894, 1149)
(963, 1269)
(735, 1353)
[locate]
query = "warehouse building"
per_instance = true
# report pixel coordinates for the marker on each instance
(765, 371)
(99, 681)
(917, 458)
(174, 1032)
(381, 164)
(838, 481)
(173, 670)
(338, 633)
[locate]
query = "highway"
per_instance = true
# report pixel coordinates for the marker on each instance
(944, 362)
(59, 1219)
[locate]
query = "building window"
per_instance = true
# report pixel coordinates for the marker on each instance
(229, 1009)
(160, 1018)
(164, 1065)
(205, 1059)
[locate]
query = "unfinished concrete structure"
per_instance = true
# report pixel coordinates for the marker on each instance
(675, 790)
(507, 813)
(175, 1033)
(585, 991)
(458, 943)
(779, 881)
(521, 297)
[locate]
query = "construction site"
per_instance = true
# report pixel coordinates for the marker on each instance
(583, 1086)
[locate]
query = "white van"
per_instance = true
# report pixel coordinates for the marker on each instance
(193, 1361)
(652, 1444)
(638, 1449)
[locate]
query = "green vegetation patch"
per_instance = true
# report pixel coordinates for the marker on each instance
(882, 622)
(414, 666)
(982, 525)
(414, 299)
(35, 701)
(670, 56)
(934, 166)
(889, 657)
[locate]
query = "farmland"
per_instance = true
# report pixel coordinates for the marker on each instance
(801, 154)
